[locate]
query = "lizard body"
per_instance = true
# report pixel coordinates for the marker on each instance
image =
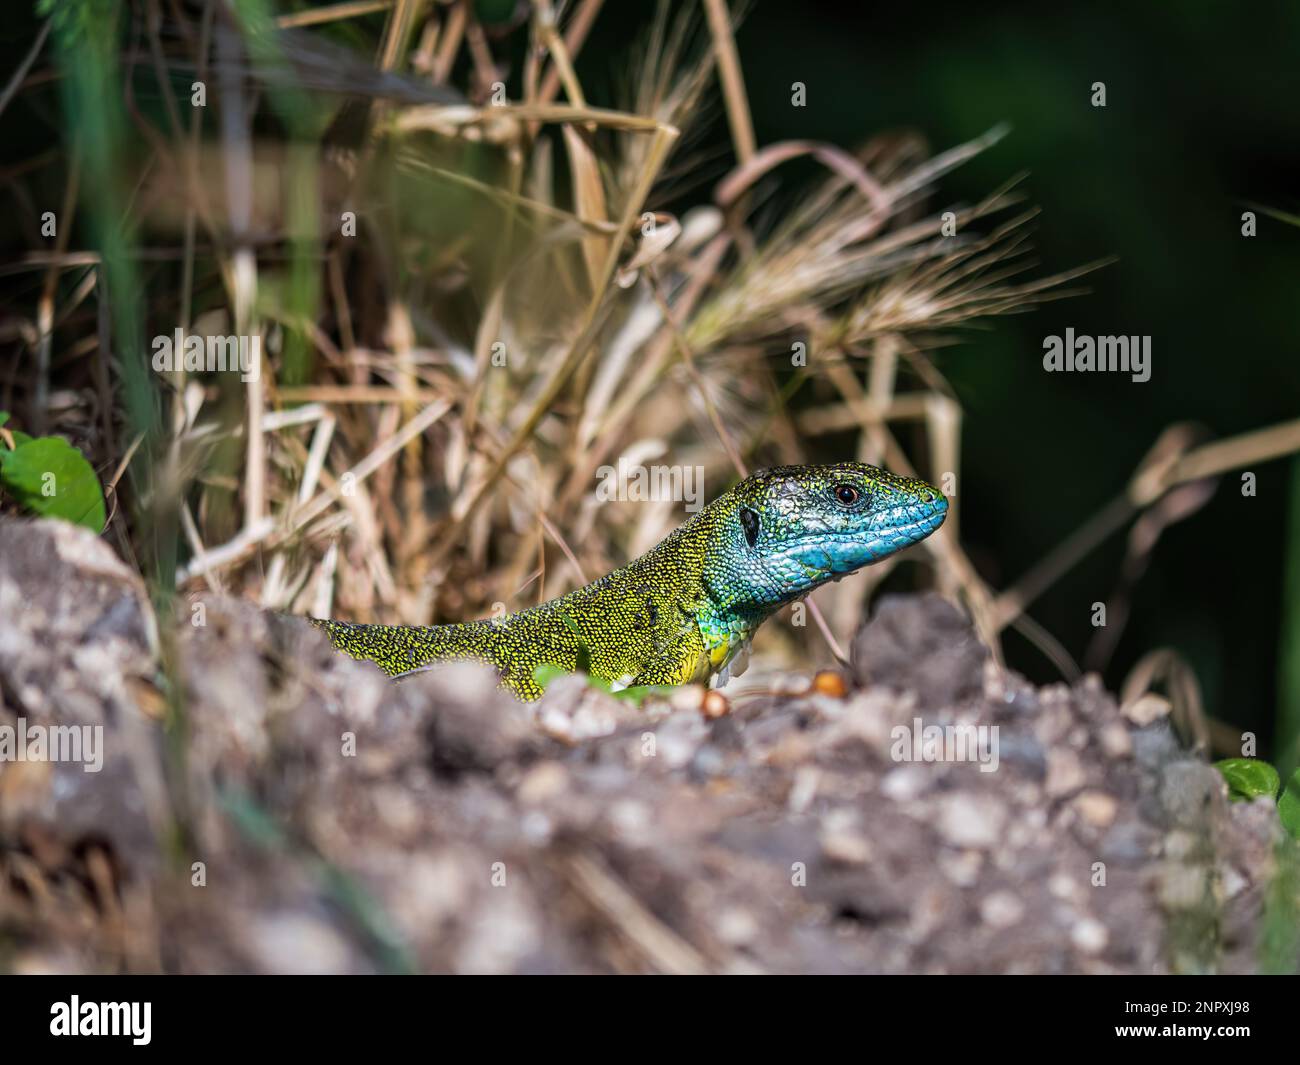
(682, 611)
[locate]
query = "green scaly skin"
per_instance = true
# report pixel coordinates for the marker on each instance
(682, 611)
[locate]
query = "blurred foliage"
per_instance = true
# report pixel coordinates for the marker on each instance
(1248, 778)
(50, 477)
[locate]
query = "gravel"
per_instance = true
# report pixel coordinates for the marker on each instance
(277, 807)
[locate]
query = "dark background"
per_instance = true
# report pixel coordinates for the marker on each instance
(1202, 115)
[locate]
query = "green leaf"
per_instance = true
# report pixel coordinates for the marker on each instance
(640, 693)
(1248, 778)
(52, 478)
(1288, 806)
(545, 673)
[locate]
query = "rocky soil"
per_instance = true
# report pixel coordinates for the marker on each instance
(281, 808)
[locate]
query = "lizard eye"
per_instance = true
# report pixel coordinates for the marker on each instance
(846, 495)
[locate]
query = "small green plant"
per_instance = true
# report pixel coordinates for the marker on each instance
(48, 476)
(1248, 778)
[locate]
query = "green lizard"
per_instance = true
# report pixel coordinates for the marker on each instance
(682, 611)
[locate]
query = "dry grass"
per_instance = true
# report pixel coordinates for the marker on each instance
(515, 310)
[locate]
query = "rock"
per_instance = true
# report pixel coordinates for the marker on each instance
(1002, 909)
(1065, 773)
(1147, 709)
(1115, 740)
(1096, 808)
(904, 783)
(842, 839)
(921, 644)
(324, 818)
(714, 705)
(1089, 936)
(970, 820)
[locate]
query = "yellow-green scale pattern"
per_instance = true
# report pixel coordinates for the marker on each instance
(683, 610)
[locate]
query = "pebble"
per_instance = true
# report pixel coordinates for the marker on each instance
(1233, 882)
(967, 820)
(1090, 936)
(1180, 844)
(841, 837)
(1063, 887)
(714, 705)
(963, 868)
(630, 818)
(544, 781)
(1002, 909)
(688, 697)
(1064, 773)
(1183, 887)
(803, 790)
(737, 927)
(1097, 808)
(904, 783)
(1115, 740)
(1147, 709)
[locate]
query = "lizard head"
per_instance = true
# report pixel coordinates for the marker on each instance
(796, 527)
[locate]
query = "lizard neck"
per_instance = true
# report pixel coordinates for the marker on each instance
(736, 593)
(726, 633)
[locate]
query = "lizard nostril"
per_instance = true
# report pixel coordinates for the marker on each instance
(926, 497)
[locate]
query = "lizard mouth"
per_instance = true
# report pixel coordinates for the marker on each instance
(914, 530)
(866, 546)
(918, 528)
